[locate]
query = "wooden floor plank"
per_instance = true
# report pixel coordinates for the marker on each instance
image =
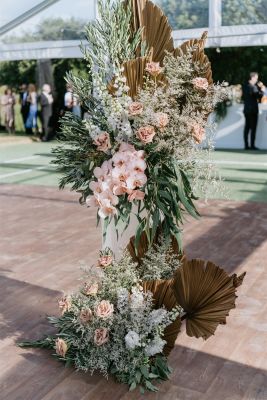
(46, 234)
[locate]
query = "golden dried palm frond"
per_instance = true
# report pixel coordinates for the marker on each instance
(156, 31)
(206, 293)
(143, 246)
(238, 280)
(196, 48)
(134, 71)
(163, 296)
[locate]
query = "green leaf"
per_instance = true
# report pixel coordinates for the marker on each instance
(132, 386)
(138, 376)
(151, 387)
(139, 231)
(144, 371)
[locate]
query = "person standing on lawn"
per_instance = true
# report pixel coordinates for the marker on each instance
(252, 93)
(46, 101)
(8, 102)
(24, 105)
(31, 122)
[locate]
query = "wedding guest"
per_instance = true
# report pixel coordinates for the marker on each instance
(8, 102)
(31, 122)
(24, 105)
(71, 102)
(68, 98)
(46, 101)
(252, 93)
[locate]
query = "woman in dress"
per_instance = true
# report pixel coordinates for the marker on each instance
(7, 102)
(31, 123)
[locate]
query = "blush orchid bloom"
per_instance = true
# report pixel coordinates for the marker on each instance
(124, 174)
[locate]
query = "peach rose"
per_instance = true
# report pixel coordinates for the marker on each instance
(86, 315)
(61, 347)
(146, 134)
(198, 133)
(105, 261)
(162, 120)
(136, 195)
(101, 336)
(102, 142)
(135, 108)
(64, 304)
(200, 83)
(90, 289)
(104, 309)
(153, 68)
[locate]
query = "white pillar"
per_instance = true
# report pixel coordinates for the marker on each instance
(215, 21)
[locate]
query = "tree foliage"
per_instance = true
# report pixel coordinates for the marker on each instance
(233, 64)
(236, 12)
(185, 14)
(52, 29)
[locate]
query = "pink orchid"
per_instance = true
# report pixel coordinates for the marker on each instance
(120, 174)
(120, 188)
(136, 195)
(108, 195)
(96, 187)
(120, 159)
(92, 201)
(138, 165)
(137, 180)
(106, 209)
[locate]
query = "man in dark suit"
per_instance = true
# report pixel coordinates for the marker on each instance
(252, 93)
(24, 104)
(46, 101)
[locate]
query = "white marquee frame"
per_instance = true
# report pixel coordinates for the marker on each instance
(218, 36)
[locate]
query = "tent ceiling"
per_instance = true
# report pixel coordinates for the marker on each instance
(219, 36)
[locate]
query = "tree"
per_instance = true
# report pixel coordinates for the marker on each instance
(233, 64)
(14, 73)
(236, 12)
(185, 14)
(52, 29)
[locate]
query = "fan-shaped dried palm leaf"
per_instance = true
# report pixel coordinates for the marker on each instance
(196, 48)
(137, 9)
(163, 295)
(238, 280)
(206, 293)
(156, 31)
(134, 71)
(144, 245)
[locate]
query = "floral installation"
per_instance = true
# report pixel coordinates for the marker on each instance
(143, 148)
(116, 329)
(148, 149)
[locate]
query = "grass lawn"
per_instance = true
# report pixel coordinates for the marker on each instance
(244, 173)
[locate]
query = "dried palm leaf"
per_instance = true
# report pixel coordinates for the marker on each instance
(144, 245)
(196, 48)
(156, 31)
(163, 296)
(134, 71)
(206, 293)
(238, 280)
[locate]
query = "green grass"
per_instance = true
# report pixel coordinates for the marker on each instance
(244, 173)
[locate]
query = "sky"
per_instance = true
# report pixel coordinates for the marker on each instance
(10, 9)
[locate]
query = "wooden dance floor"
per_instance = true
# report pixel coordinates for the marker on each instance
(45, 238)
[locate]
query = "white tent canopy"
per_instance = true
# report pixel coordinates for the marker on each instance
(219, 35)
